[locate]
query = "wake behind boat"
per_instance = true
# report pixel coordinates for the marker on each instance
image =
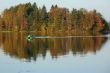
(30, 37)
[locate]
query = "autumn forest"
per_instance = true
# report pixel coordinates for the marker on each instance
(30, 17)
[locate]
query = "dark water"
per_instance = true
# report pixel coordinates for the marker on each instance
(54, 55)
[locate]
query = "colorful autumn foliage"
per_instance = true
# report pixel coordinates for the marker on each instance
(29, 17)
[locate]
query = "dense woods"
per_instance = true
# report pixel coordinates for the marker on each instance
(30, 17)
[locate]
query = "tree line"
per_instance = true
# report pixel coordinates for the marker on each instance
(30, 17)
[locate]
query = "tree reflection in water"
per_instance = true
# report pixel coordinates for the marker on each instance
(16, 45)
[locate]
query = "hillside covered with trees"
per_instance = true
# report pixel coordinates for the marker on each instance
(30, 17)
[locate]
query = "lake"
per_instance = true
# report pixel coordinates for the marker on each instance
(53, 55)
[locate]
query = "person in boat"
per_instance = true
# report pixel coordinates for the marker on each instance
(29, 37)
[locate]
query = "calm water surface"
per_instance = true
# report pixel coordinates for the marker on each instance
(54, 55)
